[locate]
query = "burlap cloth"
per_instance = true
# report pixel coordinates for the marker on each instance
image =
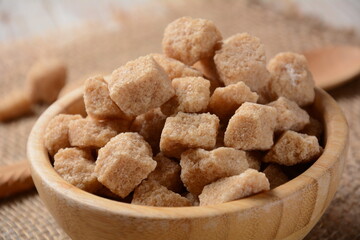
(101, 49)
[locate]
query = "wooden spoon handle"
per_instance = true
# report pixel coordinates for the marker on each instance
(15, 178)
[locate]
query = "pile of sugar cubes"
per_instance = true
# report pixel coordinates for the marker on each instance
(206, 122)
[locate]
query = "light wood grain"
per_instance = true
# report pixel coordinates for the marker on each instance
(287, 212)
(333, 65)
(15, 178)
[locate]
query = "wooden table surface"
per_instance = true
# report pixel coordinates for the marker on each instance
(21, 19)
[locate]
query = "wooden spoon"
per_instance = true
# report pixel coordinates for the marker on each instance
(333, 65)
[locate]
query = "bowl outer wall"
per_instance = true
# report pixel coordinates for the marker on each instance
(286, 212)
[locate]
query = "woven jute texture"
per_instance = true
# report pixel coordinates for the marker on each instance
(96, 49)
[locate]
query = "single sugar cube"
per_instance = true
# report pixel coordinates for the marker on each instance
(254, 159)
(226, 100)
(232, 188)
(313, 128)
(290, 78)
(57, 132)
(275, 175)
(175, 68)
(149, 125)
(77, 167)
(167, 173)
(293, 148)
(91, 133)
(124, 162)
(200, 167)
(140, 86)
(188, 130)
(151, 193)
(190, 39)
(242, 58)
(290, 116)
(97, 100)
(251, 127)
(192, 95)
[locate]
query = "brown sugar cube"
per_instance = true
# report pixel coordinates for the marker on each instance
(91, 133)
(149, 125)
(193, 199)
(124, 162)
(45, 80)
(77, 166)
(200, 167)
(232, 188)
(254, 160)
(192, 95)
(151, 193)
(140, 86)
(57, 132)
(275, 175)
(290, 116)
(251, 127)
(242, 58)
(226, 100)
(97, 100)
(313, 128)
(293, 148)
(190, 39)
(167, 173)
(175, 68)
(188, 130)
(290, 78)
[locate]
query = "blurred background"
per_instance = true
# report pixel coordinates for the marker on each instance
(22, 18)
(94, 37)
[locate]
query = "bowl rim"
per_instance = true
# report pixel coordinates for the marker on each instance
(336, 137)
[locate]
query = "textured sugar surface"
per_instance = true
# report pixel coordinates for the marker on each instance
(192, 95)
(200, 167)
(124, 162)
(188, 130)
(153, 194)
(190, 39)
(234, 187)
(290, 116)
(290, 78)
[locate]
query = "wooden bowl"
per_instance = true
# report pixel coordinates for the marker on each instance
(289, 211)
